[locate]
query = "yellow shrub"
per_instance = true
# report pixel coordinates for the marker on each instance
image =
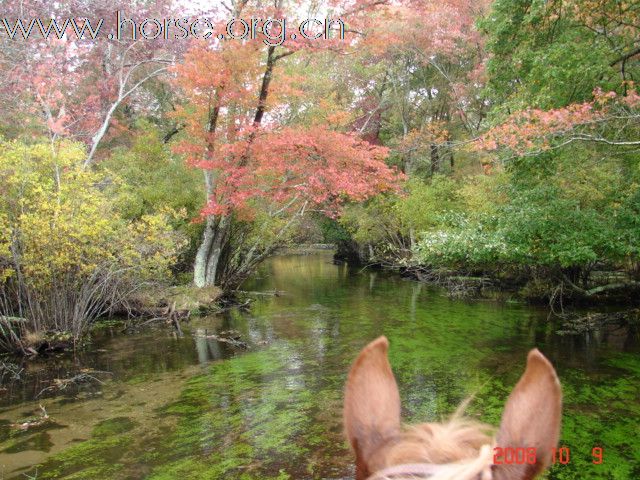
(59, 228)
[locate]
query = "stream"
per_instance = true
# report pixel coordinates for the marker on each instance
(156, 406)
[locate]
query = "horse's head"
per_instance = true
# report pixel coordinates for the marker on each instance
(459, 449)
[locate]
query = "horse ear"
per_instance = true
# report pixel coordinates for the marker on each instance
(371, 404)
(531, 418)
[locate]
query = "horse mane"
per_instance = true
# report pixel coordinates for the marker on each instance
(459, 449)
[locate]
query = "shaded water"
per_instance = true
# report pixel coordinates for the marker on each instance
(193, 408)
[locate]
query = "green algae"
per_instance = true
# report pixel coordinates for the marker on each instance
(95, 458)
(112, 427)
(247, 414)
(602, 409)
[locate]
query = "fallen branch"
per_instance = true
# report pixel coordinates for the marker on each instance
(573, 325)
(274, 293)
(230, 337)
(231, 306)
(33, 422)
(11, 370)
(631, 284)
(174, 318)
(60, 384)
(169, 314)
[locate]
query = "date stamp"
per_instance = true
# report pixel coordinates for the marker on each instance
(529, 455)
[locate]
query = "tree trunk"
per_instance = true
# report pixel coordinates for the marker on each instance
(435, 159)
(217, 245)
(206, 262)
(205, 268)
(202, 256)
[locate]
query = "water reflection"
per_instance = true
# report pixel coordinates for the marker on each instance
(208, 349)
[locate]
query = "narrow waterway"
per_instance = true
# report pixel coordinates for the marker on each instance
(161, 407)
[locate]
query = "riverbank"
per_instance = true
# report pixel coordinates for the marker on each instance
(168, 304)
(549, 288)
(548, 285)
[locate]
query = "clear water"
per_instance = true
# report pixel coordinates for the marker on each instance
(194, 408)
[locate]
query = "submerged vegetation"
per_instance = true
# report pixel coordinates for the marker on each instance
(274, 411)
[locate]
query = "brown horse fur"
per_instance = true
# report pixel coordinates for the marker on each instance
(459, 449)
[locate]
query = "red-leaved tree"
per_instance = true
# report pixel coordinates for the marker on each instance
(608, 119)
(261, 172)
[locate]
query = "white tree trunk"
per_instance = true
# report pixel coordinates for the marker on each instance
(202, 256)
(207, 260)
